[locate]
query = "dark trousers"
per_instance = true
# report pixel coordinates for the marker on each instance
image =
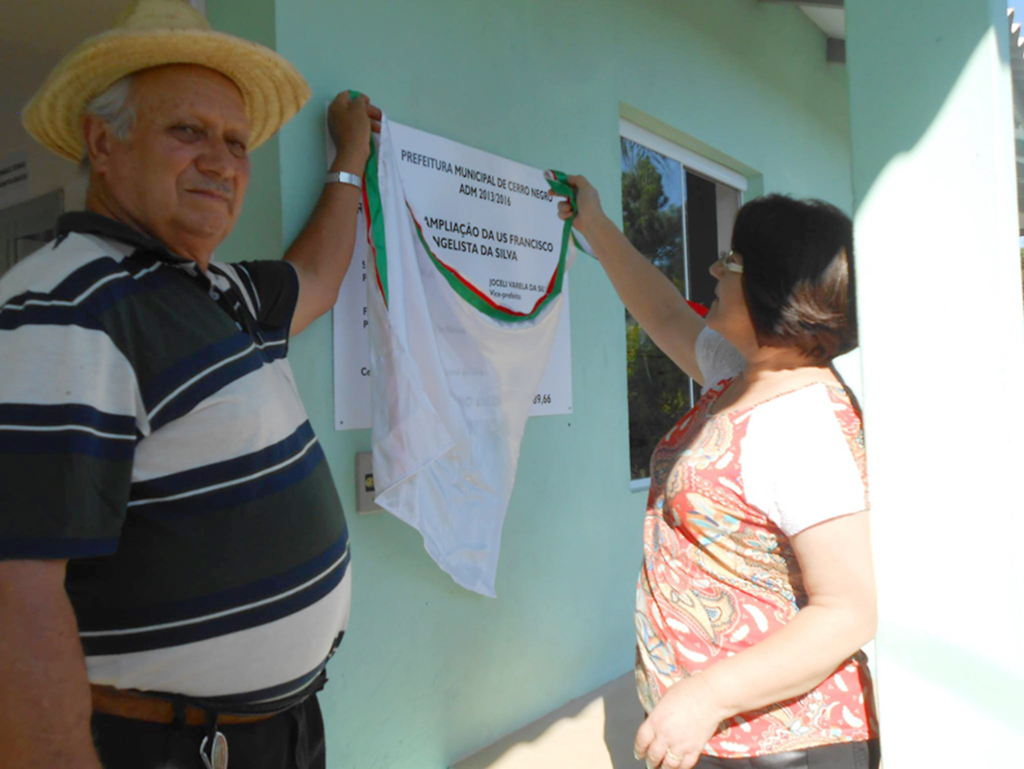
(293, 739)
(848, 755)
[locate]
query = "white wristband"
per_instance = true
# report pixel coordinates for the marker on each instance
(343, 178)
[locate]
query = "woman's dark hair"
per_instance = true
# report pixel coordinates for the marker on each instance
(798, 277)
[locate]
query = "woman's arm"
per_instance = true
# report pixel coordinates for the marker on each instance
(649, 296)
(839, 618)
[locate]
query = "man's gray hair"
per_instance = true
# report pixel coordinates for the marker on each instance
(113, 108)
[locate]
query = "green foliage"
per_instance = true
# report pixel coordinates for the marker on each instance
(653, 227)
(659, 393)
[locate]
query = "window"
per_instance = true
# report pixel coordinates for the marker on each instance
(678, 210)
(25, 227)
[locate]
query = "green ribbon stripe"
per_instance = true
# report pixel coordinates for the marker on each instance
(559, 184)
(376, 213)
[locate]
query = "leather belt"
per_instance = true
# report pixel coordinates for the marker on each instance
(141, 707)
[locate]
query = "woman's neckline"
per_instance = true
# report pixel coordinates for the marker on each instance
(730, 412)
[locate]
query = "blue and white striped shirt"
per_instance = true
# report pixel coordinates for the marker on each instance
(151, 432)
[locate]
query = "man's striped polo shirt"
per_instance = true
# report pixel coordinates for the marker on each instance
(151, 432)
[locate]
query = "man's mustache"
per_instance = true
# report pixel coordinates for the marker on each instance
(211, 185)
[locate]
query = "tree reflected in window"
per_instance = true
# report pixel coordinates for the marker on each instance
(652, 219)
(682, 221)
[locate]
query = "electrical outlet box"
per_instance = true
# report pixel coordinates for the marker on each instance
(365, 491)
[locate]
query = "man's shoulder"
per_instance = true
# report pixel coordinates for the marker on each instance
(77, 255)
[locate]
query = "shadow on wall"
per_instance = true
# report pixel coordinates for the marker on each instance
(918, 86)
(930, 200)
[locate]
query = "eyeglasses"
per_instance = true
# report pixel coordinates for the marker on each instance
(728, 262)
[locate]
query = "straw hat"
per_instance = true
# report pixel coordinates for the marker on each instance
(151, 33)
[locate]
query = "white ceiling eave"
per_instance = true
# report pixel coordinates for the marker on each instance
(831, 21)
(1017, 77)
(830, 17)
(1016, 42)
(1017, 71)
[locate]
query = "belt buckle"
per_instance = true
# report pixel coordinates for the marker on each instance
(218, 753)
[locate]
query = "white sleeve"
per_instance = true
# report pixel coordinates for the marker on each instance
(716, 358)
(796, 464)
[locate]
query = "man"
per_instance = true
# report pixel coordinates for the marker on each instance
(173, 554)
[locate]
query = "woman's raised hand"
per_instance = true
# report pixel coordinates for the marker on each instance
(588, 205)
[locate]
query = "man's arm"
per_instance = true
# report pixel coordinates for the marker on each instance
(45, 705)
(322, 251)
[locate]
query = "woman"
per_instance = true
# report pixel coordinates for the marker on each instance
(757, 569)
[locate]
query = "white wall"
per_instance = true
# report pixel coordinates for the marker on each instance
(942, 334)
(33, 38)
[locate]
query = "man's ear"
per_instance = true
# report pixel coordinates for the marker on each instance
(98, 141)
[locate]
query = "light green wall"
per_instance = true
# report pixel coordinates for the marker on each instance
(430, 672)
(942, 332)
(258, 232)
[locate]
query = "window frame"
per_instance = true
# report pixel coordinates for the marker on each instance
(32, 220)
(716, 172)
(690, 161)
